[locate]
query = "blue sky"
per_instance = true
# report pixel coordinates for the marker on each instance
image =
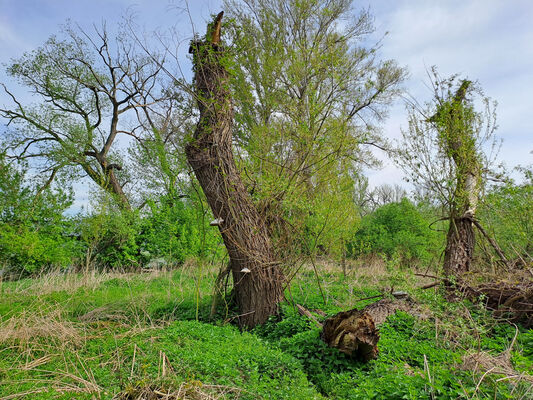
(486, 40)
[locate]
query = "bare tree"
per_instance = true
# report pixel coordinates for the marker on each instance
(384, 194)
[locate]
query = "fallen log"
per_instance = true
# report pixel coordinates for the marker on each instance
(355, 332)
(306, 313)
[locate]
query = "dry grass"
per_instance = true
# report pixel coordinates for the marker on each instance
(35, 325)
(484, 364)
(57, 281)
(193, 390)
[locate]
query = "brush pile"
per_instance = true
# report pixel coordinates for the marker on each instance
(510, 298)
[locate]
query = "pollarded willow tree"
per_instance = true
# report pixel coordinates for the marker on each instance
(309, 97)
(89, 91)
(258, 280)
(447, 152)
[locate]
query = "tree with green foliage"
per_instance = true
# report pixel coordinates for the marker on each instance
(90, 92)
(507, 213)
(443, 152)
(309, 95)
(300, 84)
(258, 280)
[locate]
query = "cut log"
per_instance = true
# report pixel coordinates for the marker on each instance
(355, 332)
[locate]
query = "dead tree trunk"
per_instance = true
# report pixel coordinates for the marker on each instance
(355, 332)
(258, 280)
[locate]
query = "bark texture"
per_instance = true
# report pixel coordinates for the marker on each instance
(258, 280)
(460, 242)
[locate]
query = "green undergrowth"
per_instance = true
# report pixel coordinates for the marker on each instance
(183, 352)
(95, 336)
(415, 361)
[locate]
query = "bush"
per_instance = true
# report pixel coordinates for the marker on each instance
(396, 229)
(175, 231)
(169, 233)
(33, 230)
(110, 238)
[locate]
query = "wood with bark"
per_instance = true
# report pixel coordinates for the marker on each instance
(355, 332)
(511, 299)
(460, 243)
(258, 279)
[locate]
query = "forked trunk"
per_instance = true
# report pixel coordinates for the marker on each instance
(258, 280)
(116, 189)
(108, 181)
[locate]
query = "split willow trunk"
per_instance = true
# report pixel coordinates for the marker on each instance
(455, 123)
(258, 280)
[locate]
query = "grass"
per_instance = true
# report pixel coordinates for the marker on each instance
(149, 336)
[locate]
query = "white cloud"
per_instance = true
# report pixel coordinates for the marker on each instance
(487, 40)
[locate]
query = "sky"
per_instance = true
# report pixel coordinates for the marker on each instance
(490, 41)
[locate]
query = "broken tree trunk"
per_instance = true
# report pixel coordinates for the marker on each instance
(257, 277)
(355, 332)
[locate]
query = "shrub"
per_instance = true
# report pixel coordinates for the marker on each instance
(396, 229)
(33, 230)
(110, 238)
(176, 231)
(168, 232)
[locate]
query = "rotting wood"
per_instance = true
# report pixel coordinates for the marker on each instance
(355, 332)
(352, 332)
(512, 300)
(306, 313)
